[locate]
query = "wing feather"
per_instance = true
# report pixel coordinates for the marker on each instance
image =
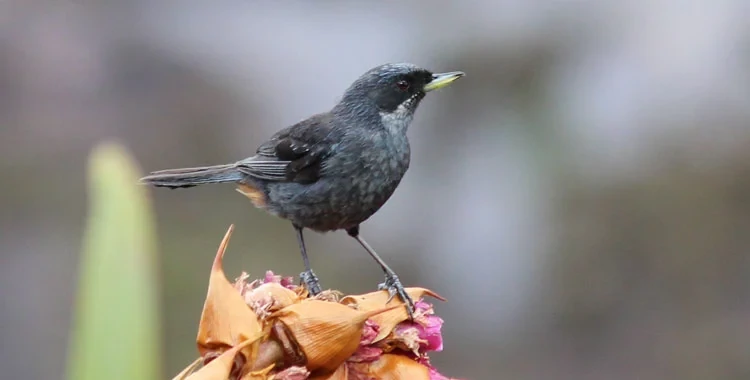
(294, 154)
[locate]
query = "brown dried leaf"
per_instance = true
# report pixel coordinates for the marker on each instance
(188, 370)
(259, 375)
(269, 298)
(270, 352)
(329, 295)
(390, 367)
(377, 301)
(328, 333)
(292, 373)
(342, 373)
(219, 368)
(226, 319)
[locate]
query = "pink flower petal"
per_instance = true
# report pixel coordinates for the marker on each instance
(369, 332)
(287, 282)
(408, 335)
(293, 373)
(432, 334)
(365, 354)
(428, 328)
(270, 277)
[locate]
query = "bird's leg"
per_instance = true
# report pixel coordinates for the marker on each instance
(392, 283)
(308, 277)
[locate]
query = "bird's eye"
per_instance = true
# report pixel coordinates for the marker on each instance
(402, 85)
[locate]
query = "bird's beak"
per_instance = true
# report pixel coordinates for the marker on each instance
(442, 80)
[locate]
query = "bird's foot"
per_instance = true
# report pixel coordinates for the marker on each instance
(393, 285)
(311, 282)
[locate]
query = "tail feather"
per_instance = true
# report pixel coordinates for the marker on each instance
(189, 177)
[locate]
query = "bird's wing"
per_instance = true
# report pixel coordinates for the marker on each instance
(293, 154)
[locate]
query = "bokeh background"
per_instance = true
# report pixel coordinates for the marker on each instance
(582, 197)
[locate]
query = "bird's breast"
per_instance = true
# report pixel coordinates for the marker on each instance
(380, 168)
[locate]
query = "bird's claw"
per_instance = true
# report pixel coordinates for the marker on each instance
(311, 282)
(393, 285)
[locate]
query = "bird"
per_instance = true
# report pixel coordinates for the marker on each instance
(333, 170)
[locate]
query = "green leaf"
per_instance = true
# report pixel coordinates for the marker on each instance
(116, 322)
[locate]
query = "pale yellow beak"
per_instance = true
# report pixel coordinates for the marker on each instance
(442, 80)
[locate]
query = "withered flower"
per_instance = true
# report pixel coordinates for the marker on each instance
(269, 329)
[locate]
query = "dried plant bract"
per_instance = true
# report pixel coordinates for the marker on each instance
(268, 329)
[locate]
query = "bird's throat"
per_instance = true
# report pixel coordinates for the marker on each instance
(398, 121)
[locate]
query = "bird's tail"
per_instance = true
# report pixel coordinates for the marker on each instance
(189, 177)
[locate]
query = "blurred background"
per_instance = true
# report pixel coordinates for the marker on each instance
(581, 197)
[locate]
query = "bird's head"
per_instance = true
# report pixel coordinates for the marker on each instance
(394, 90)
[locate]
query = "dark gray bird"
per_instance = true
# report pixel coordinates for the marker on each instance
(336, 169)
